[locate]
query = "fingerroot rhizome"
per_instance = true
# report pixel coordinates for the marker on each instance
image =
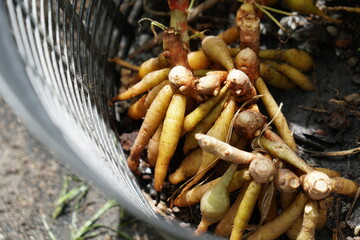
(213, 147)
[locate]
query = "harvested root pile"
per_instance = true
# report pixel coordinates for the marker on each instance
(209, 99)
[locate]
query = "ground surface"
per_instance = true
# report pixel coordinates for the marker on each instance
(31, 180)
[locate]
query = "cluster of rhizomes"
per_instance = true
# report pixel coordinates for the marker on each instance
(209, 97)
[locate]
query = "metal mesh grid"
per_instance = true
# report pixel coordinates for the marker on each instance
(65, 45)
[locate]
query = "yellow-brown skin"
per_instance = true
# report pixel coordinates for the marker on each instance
(189, 167)
(230, 35)
(275, 78)
(282, 222)
(205, 124)
(198, 60)
(138, 110)
(245, 210)
(220, 131)
(307, 7)
(247, 61)
(169, 138)
(152, 120)
(146, 83)
(286, 181)
(344, 186)
(217, 51)
(310, 218)
(247, 122)
(153, 147)
(295, 57)
(150, 65)
(293, 74)
(248, 25)
(262, 170)
(324, 205)
(199, 113)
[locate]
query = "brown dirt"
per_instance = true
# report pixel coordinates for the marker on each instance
(31, 181)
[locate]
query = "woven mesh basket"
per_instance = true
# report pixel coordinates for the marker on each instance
(55, 74)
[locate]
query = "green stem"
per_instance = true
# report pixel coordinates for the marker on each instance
(191, 5)
(47, 228)
(270, 16)
(121, 234)
(73, 193)
(276, 10)
(76, 210)
(89, 225)
(153, 23)
(60, 206)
